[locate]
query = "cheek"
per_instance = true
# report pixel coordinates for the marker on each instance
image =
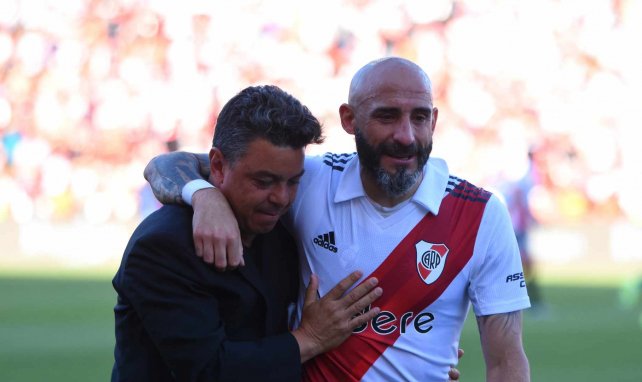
(293, 191)
(247, 198)
(424, 136)
(257, 197)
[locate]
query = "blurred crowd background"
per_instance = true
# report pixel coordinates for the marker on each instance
(542, 94)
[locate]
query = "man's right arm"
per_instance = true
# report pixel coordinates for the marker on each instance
(217, 237)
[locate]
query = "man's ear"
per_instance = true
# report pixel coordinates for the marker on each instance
(346, 113)
(217, 166)
(435, 114)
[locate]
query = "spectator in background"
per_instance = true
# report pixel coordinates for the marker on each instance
(92, 80)
(516, 196)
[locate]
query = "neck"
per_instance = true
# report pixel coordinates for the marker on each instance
(380, 196)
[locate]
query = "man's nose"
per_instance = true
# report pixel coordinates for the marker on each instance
(280, 195)
(404, 132)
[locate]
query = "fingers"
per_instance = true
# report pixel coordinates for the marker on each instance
(226, 258)
(224, 255)
(198, 246)
(202, 240)
(371, 297)
(353, 304)
(208, 251)
(225, 252)
(357, 307)
(235, 253)
(203, 247)
(219, 255)
(453, 374)
(355, 301)
(361, 318)
(311, 291)
(344, 285)
(361, 293)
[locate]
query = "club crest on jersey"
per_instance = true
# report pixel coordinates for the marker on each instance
(431, 259)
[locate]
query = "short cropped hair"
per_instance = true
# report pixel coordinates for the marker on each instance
(265, 112)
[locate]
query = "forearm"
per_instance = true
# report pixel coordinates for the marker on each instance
(514, 368)
(501, 340)
(168, 173)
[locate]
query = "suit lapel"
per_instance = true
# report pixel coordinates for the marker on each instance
(252, 274)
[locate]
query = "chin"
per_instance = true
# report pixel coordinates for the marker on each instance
(395, 170)
(264, 228)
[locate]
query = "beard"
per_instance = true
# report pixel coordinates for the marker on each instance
(393, 184)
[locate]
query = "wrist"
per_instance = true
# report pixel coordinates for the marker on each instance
(307, 347)
(191, 187)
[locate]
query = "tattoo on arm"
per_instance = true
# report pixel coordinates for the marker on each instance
(203, 165)
(168, 173)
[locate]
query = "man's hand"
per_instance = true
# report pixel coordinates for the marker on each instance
(453, 373)
(216, 233)
(328, 321)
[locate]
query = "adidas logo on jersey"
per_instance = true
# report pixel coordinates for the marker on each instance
(326, 241)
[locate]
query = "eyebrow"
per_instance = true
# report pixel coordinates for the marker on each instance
(394, 109)
(423, 110)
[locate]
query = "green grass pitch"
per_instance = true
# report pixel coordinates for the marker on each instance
(61, 329)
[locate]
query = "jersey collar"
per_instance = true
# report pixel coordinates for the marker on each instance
(429, 194)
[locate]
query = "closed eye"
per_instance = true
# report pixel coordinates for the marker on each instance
(294, 181)
(263, 183)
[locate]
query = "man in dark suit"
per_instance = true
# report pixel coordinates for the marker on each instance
(178, 318)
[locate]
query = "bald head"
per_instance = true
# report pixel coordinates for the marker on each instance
(387, 75)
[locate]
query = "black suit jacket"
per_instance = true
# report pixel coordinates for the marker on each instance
(178, 318)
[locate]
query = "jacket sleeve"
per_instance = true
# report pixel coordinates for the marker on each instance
(163, 283)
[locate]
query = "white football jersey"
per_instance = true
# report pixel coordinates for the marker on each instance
(451, 245)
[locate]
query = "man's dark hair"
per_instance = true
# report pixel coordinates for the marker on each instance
(264, 112)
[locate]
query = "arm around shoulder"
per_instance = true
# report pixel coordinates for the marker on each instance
(216, 233)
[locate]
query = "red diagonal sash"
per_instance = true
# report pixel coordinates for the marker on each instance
(403, 289)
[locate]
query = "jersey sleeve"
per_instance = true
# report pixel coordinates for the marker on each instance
(497, 282)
